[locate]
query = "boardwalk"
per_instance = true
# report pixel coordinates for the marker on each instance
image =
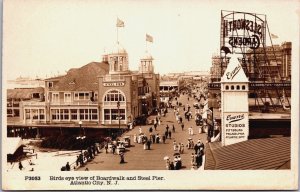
(137, 158)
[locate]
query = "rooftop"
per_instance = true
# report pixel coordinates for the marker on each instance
(255, 154)
(25, 93)
(84, 78)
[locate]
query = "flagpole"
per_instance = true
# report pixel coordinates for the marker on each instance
(117, 35)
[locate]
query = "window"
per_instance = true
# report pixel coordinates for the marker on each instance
(34, 114)
(113, 114)
(64, 114)
(82, 96)
(106, 114)
(232, 87)
(93, 114)
(73, 114)
(114, 95)
(49, 84)
(35, 95)
(68, 97)
(226, 87)
(42, 114)
(55, 97)
(84, 114)
(55, 114)
(243, 87)
(27, 113)
(237, 87)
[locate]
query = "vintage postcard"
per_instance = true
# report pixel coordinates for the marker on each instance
(150, 95)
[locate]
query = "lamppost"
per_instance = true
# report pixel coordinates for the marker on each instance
(80, 126)
(81, 136)
(81, 141)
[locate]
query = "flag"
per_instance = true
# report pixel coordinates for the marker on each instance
(120, 23)
(274, 36)
(149, 38)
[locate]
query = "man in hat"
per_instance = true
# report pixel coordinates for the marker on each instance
(122, 157)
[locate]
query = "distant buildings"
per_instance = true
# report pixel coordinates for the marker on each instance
(262, 64)
(25, 82)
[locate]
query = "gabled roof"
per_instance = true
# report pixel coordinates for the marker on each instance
(23, 93)
(254, 154)
(84, 78)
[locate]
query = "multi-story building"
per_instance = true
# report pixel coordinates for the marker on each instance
(18, 95)
(272, 63)
(218, 67)
(99, 94)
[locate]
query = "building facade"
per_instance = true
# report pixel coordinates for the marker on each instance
(99, 94)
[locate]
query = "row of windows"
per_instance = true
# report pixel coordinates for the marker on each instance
(237, 87)
(114, 95)
(74, 114)
(113, 114)
(77, 96)
(35, 114)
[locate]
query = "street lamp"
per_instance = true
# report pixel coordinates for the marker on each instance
(80, 126)
(81, 141)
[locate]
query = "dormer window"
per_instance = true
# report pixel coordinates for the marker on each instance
(49, 84)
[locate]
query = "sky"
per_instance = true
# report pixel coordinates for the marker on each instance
(49, 37)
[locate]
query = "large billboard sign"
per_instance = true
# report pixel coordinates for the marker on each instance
(241, 31)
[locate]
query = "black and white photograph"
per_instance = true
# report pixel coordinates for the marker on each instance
(150, 95)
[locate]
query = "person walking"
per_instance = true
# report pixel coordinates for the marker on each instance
(166, 134)
(113, 149)
(182, 148)
(182, 126)
(157, 138)
(153, 138)
(122, 158)
(170, 134)
(150, 130)
(148, 144)
(135, 138)
(20, 165)
(164, 139)
(173, 128)
(175, 146)
(106, 147)
(190, 129)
